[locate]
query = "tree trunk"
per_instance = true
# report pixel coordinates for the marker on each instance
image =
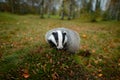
(49, 7)
(70, 11)
(114, 10)
(42, 9)
(12, 5)
(62, 11)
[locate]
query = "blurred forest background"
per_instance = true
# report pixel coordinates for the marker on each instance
(107, 9)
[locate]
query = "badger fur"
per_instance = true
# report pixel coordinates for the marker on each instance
(63, 38)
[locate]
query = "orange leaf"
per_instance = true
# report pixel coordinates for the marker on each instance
(26, 75)
(100, 75)
(84, 36)
(93, 51)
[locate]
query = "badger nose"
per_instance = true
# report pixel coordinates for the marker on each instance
(59, 48)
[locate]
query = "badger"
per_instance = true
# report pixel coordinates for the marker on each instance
(63, 38)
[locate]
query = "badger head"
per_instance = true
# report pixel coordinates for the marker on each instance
(58, 39)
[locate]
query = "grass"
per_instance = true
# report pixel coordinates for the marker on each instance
(24, 54)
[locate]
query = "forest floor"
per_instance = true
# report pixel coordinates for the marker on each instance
(24, 54)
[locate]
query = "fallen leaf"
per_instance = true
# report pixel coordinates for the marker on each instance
(100, 75)
(84, 36)
(93, 51)
(58, 62)
(118, 64)
(89, 65)
(44, 67)
(84, 47)
(105, 49)
(100, 70)
(51, 61)
(71, 73)
(96, 61)
(55, 76)
(25, 73)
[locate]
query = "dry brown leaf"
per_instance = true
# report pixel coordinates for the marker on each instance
(71, 73)
(96, 61)
(89, 65)
(84, 47)
(58, 62)
(44, 67)
(84, 36)
(100, 75)
(105, 49)
(51, 61)
(26, 73)
(93, 51)
(100, 70)
(55, 76)
(118, 64)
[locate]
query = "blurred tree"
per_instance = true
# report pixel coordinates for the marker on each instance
(12, 5)
(114, 10)
(41, 8)
(4, 7)
(71, 11)
(62, 10)
(94, 10)
(24, 9)
(48, 7)
(66, 8)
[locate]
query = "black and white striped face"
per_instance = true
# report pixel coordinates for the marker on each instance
(58, 39)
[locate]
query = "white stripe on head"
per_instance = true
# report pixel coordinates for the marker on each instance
(65, 41)
(52, 39)
(60, 38)
(64, 37)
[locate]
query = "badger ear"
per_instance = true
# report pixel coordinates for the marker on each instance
(54, 32)
(64, 32)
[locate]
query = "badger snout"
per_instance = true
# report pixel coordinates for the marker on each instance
(60, 47)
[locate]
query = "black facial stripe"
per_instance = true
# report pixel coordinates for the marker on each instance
(51, 43)
(63, 34)
(55, 34)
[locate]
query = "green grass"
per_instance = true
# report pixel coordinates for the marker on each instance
(25, 54)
